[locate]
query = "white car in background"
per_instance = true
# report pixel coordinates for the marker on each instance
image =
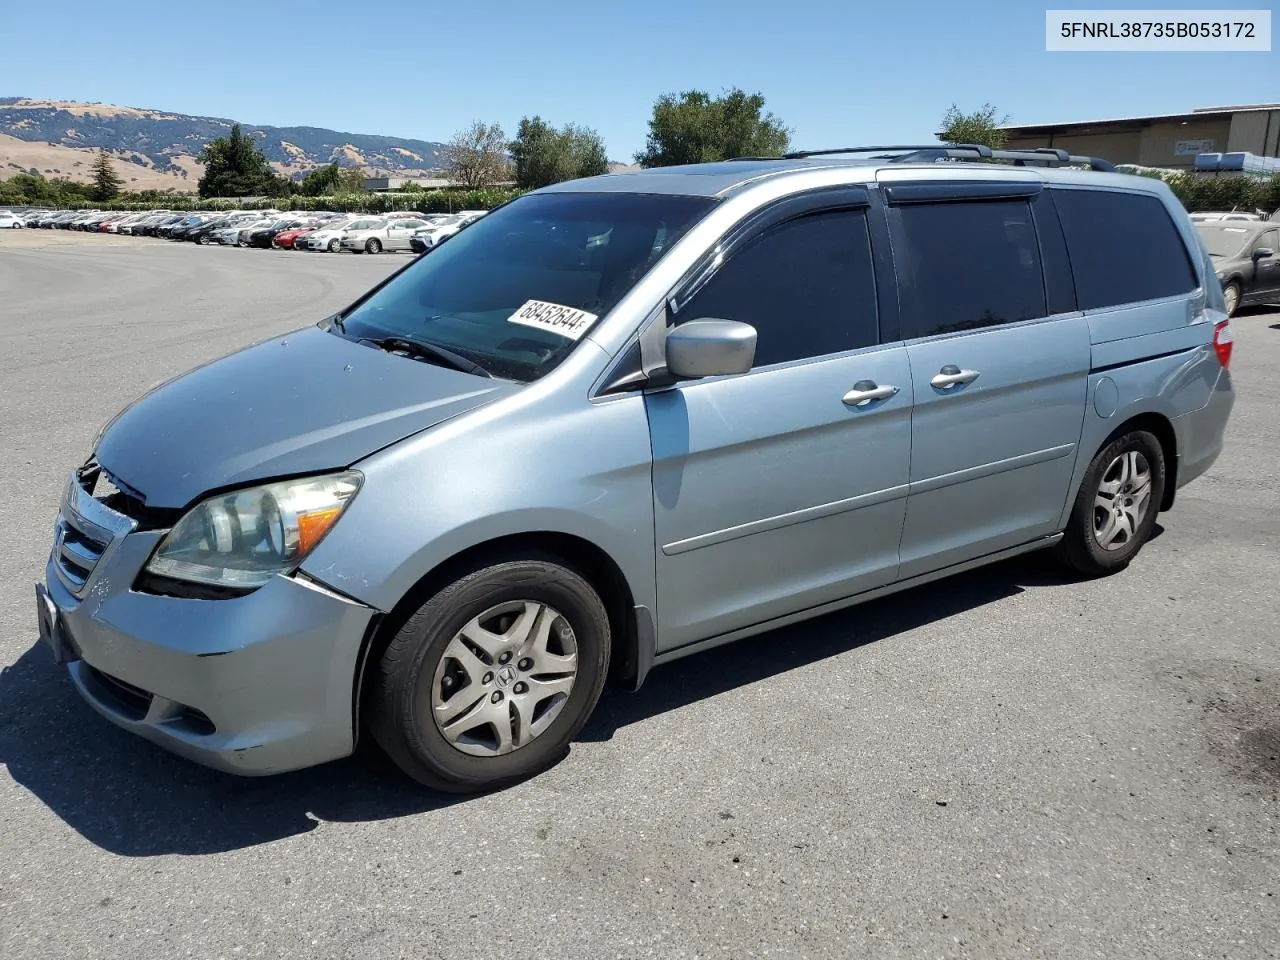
(374, 236)
(10, 221)
(440, 228)
(1214, 216)
(329, 237)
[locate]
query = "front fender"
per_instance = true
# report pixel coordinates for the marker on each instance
(523, 465)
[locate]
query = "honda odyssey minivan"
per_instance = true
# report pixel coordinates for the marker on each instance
(624, 419)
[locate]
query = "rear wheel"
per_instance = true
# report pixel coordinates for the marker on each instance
(491, 678)
(1116, 506)
(373, 246)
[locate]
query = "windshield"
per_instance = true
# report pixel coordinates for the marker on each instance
(1222, 241)
(532, 258)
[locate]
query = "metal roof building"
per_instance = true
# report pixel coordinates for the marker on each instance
(1167, 141)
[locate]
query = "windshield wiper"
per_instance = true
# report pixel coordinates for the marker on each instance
(423, 350)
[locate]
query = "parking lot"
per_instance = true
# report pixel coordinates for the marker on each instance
(1008, 763)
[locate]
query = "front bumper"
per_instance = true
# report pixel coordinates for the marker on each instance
(252, 685)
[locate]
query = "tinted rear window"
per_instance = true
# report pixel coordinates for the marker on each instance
(1124, 248)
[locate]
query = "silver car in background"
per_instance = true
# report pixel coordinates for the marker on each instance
(623, 419)
(377, 235)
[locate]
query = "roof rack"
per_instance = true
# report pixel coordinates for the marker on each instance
(933, 153)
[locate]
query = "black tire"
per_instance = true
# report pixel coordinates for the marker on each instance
(399, 708)
(1080, 548)
(373, 246)
(1231, 295)
(335, 245)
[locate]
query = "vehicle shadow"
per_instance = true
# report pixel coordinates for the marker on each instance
(133, 799)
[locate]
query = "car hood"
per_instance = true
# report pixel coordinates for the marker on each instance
(303, 403)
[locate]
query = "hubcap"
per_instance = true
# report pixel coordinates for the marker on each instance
(504, 678)
(1122, 500)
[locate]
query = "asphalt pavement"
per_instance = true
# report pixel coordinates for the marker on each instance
(1008, 763)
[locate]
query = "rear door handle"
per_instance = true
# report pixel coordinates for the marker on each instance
(867, 392)
(951, 376)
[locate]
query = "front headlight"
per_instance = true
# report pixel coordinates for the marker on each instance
(244, 538)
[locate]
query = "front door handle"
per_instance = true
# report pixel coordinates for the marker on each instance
(867, 392)
(951, 376)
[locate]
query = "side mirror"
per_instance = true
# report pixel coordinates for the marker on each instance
(710, 348)
(1262, 253)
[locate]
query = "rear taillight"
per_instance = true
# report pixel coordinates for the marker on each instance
(1222, 342)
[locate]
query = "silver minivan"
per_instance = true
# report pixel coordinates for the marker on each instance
(624, 419)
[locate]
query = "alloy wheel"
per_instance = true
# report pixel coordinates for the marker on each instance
(504, 678)
(1232, 297)
(1122, 500)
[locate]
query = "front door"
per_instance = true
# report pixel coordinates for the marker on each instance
(1266, 269)
(999, 364)
(784, 488)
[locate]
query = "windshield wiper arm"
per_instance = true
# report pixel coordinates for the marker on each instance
(429, 351)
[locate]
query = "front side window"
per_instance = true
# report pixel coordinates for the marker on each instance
(1124, 248)
(1266, 242)
(806, 285)
(515, 291)
(966, 265)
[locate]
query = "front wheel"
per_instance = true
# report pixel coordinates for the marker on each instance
(335, 246)
(1116, 506)
(1231, 294)
(373, 246)
(491, 678)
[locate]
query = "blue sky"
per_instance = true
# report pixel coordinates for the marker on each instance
(837, 73)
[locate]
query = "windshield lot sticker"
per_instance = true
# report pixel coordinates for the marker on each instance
(568, 322)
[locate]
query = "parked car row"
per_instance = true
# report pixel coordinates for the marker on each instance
(268, 229)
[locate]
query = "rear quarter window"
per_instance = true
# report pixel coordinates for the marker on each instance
(1124, 248)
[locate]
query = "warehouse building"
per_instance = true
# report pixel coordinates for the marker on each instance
(1170, 141)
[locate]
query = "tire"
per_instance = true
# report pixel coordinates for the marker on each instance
(1098, 540)
(425, 656)
(372, 245)
(242, 243)
(335, 245)
(1231, 294)
(204, 240)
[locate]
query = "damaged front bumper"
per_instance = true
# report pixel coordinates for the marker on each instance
(256, 684)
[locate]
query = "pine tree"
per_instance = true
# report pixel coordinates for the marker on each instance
(106, 183)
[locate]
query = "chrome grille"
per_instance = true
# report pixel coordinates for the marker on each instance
(77, 552)
(95, 512)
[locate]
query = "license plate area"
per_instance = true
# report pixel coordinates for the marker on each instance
(52, 632)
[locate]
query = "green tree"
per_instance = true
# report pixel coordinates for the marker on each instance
(981, 126)
(694, 127)
(477, 157)
(235, 167)
(322, 181)
(106, 183)
(352, 180)
(544, 155)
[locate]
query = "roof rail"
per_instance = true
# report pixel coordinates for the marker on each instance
(1036, 156)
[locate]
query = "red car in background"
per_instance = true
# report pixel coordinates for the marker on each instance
(284, 239)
